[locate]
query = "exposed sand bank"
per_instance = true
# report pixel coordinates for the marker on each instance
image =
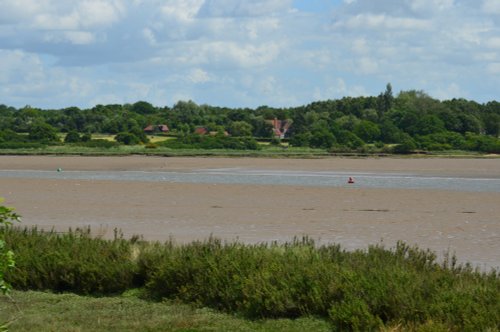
(463, 222)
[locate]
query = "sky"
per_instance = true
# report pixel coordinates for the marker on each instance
(244, 53)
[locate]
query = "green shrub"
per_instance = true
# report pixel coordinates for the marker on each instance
(360, 290)
(21, 145)
(98, 143)
(194, 141)
(72, 137)
(43, 132)
(72, 262)
(127, 138)
(407, 145)
(482, 143)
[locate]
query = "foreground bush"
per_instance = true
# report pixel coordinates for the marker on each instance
(73, 262)
(360, 290)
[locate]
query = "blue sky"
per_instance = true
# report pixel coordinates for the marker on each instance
(236, 53)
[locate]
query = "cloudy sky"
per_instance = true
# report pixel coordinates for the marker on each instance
(244, 53)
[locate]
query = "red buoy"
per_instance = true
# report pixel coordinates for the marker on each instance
(351, 180)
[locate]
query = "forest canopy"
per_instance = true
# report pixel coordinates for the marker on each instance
(408, 121)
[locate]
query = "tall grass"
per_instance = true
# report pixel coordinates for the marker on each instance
(360, 290)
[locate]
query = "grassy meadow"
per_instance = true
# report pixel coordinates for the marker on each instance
(44, 311)
(297, 285)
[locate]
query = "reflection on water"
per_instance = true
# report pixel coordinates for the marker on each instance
(268, 177)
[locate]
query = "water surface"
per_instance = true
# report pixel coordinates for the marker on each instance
(274, 177)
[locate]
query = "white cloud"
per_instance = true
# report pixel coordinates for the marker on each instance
(493, 42)
(185, 10)
(453, 90)
(491, 6)
(367, 65)
(58, 15)
(338, 88)
(258, 52)
(198, 75)
(494, 68)
(382, 21)
(426, 5)
(234, 54)
(238, 8)
(100, 12)
(149, 36)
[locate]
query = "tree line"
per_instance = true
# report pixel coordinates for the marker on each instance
(409, 121)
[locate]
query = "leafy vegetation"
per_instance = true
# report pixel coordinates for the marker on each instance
(193, 141)
(7, 262)
(410, 121)
(361, 290)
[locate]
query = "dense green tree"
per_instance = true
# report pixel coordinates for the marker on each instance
(367, 131)
(469, 124)
(442, 141)
(425, 125)
(322, 138)
(127, 138)
(349, 139)
(347, 122)
(389, 133)
(301, 139)
(406, 145)
(385, 100)
(492, 124)
(43, 132)
(240, 129)
(143, 107)
(9, 135)
(72, 137)
(429, 122)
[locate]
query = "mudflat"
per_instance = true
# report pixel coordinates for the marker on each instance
(461, 222)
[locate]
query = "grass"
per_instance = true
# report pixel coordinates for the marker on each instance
(39, 311)
(167, 152)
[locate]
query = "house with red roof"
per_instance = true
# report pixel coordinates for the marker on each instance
(152, 129)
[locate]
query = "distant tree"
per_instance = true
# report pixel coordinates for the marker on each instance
(367, 131)
(469, 124)
(442, 141)
(72, 137)
(482, 143)
(349, 139)
(142, 107)
(9, 135)
(87, 137)
(347, 122)
(425, 125)
(492, 124)
(43, 132)
(240, 129)
(139, 133)
(385, 100)
(406, 145)
(127, 138)
(322, 138)
(302, 139)
(389, 133)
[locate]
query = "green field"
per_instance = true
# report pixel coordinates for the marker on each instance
(38, 311)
